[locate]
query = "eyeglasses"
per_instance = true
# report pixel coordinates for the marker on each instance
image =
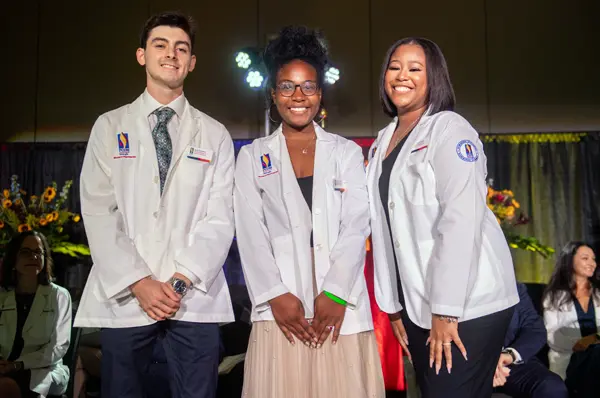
(288, 88)
(26, 252)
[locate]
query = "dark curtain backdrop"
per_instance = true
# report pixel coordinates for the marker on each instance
(556, 178)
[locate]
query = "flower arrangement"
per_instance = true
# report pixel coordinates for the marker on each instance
(504, 205)
(45, 213)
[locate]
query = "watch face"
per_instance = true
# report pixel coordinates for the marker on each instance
(179, 286)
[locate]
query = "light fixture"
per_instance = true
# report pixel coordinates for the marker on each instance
(242, 59)
(332, 75)
(254, 78)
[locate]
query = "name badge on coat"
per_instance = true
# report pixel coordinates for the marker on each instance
(339, 185)
(199, 154)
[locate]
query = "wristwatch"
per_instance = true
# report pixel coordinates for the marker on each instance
(179, 286)
(511, 353)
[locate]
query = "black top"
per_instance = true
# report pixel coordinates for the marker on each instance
(24, 302)
(384, 192)
(306, 186)
(587, 320)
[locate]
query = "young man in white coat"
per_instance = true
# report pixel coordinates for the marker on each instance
(156, 197)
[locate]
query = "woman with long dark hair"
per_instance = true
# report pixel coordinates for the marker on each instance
(443, 269)
(302, 219)
(572, 318)
(35, 321)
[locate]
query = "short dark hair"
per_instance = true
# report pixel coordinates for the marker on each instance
(440, 94)
(9, 276)
(559, 290)
(173, 19)
(295, 43)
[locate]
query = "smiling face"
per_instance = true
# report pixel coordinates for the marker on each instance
(584, 262)
(406, 78)
(167, 57)
(297, 94)
(30, 258)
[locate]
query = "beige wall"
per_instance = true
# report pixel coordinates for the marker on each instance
(537, 70)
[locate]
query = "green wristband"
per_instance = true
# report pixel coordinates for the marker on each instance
(335, 298)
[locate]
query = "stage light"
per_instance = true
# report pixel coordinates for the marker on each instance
(242, 59)
(332, 75)
(254, 78)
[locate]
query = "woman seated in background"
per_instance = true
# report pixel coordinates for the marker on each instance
(35, 321)
(572, 316)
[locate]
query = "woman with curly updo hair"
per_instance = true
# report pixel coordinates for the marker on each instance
(302, 219)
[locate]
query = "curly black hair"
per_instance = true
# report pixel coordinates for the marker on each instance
(295, 43)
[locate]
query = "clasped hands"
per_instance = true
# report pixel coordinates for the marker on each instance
(288, 312)
(158, 299)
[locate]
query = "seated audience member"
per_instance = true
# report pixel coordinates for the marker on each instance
(519, 372)
(572, 316)
(35, 321)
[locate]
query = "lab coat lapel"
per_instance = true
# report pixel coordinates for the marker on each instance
(41, 302)
(325, 148)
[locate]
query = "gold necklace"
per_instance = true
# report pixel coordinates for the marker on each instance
(305, 149)
(401, 137)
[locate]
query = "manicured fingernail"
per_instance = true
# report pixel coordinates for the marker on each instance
(437, 370)
(319, 345)
(431, 363)
(306, 343)
(333, 342)
(449, 370)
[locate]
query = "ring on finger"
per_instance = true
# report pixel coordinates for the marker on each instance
(330, 328)
(449, 343)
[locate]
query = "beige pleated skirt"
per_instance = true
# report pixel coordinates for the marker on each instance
(275, 368)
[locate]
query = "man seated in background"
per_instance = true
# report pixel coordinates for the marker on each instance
(519, 372)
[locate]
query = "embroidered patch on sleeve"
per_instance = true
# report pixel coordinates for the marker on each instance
(467, 151)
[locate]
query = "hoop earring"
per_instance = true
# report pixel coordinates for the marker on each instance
(323, 113)
(270, 117)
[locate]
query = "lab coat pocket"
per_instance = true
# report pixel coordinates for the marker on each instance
(419, 184)
(193, 171)
(283, 252)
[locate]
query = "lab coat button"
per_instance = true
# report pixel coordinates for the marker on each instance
(156, 179)
(392, 205)
(397, 244)
(318, 247)
(317, 211)
(155, 214)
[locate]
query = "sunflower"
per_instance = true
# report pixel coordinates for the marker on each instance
(6, 203)
(54, 215)
(76, 218)
(43, 222)
(49, 217)
(516, 204)
(6, 193)
(1, 224)
(23, 228)
(49, 194)
(18, 202)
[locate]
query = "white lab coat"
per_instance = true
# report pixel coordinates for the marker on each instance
(453, 258)
(563, 332)
(135, 232)
(46, 337)
(273, 225)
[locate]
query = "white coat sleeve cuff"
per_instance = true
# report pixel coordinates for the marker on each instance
(116, 292)
(262, 301)
(190, 275)
(337, 291)
(447, 310)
